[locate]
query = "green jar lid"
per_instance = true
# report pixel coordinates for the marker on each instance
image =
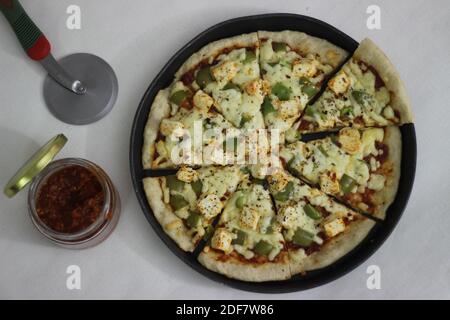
(34, 165)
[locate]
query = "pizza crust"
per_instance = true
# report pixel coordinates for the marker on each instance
(215, 48)
(171, 224)
(253, 272)
(385, 197)
(333, 250)
(369, 53)
(329, 53)
(159, 110)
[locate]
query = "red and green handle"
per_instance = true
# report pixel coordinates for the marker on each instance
(31, 38)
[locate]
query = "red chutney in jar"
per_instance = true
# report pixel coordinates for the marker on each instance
(70, 200)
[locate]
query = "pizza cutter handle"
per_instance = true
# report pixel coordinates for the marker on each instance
(36, 44)
(30, 37)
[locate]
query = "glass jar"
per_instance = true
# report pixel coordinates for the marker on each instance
(94, 233)
(72, 190)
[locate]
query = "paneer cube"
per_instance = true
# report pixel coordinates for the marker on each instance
(278, 180)
(222, 239)
(350, 140)
(288, 109)
(334, 227)
(202, 101)
(224, 72)
(255, 87)
(329, 183)
(340, 83)
(306, 67)
(210, 206)
(249, 218)
(288, 217)
(187, 174)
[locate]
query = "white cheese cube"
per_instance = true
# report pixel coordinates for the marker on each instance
(334, 227)
(187, 174)
(288, 217)
(340, 83)
(305, 67)
(202, 101)
(222, 240)
(249, 218)
(329, 183)
(224, 72)
(350, 140)
(210, 206)
(288, 109)
(255, 87)
(278, 180)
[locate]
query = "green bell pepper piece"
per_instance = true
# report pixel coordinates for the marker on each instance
(231, 86)
(174, 184)
(241, 237)
(249, 56)
(204, 77)
(197, 186)
(284, 195)
(240, 201)
(309, 90)
(302, 238)
(347, 183)
(281, 91)
(312, 212)
(193, 220)
(177, 201)
(245, 118)
(263, 248)
(267, 107)
(279, 46)
(179, 96)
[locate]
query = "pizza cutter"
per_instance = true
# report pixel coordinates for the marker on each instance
(80, 88)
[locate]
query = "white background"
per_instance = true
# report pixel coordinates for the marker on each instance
(137, 38)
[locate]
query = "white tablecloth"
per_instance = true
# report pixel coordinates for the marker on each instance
(137, 37)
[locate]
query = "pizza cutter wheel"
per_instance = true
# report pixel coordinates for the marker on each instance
(80, 88)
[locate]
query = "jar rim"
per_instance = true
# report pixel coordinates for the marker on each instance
(94, 228)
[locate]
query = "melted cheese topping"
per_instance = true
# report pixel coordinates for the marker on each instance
(239, 106)
(290, 69)
(256, 218)
(292, 215)
(180, 138)
(218, 183)
(323, 163)
(352, 94)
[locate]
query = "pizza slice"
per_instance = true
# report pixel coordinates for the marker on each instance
(318, 231)
(228, 71)
(186, 204)
(293, 66)
(366, 92)
(248, 243)
(359, 167)
(183, 129)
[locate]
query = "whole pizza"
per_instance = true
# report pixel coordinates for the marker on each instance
(264, 202)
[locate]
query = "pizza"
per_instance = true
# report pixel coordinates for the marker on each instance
(360, 167)
(249, 196)
(365, 92)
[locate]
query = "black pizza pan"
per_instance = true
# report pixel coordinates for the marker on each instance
(270, 22)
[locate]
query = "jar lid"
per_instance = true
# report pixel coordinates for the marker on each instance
(34, 165)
